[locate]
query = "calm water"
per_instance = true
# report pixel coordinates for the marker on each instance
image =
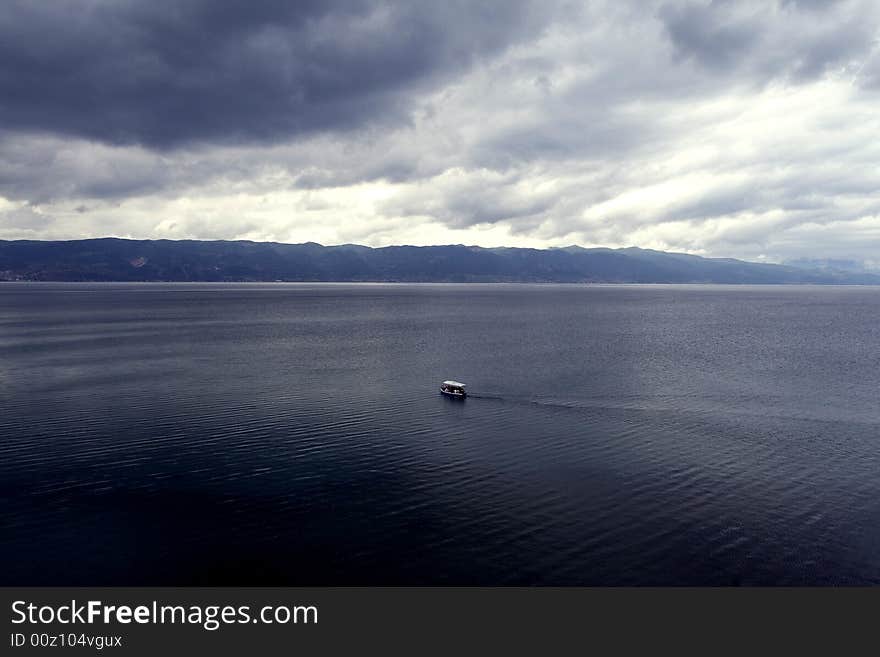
(293, 434)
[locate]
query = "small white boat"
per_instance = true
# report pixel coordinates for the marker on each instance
(453, 389)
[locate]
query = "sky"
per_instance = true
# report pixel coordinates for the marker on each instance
(715, 127)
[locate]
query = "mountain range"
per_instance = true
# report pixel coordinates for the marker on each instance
(112, 259)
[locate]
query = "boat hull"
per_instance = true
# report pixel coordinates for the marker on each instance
(454, 395)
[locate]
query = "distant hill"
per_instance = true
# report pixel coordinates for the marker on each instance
(113, 259)
(836, 264)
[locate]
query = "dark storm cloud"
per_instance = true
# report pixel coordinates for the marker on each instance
(168, 73)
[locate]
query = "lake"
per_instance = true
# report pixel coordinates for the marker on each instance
(293, 434)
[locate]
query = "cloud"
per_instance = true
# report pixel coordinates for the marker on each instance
(724, 128)
(716, 34)
(799, 40)
(134, 72)
(15, 218)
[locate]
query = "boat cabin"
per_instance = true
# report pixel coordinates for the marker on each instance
(453, 389)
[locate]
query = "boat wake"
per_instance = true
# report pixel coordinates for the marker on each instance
(482, 395)
(549, 403)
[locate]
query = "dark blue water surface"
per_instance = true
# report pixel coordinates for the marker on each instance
(294, 434)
